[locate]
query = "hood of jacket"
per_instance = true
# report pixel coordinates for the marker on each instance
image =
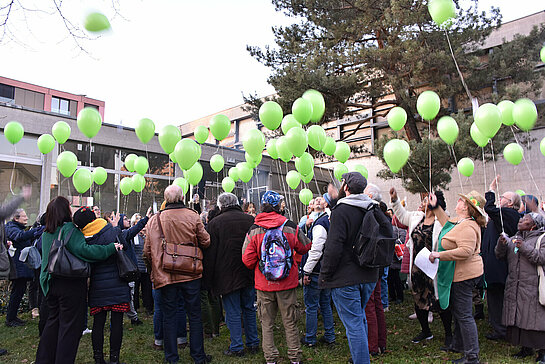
(120, 222)
(360, 200)
(269, 220)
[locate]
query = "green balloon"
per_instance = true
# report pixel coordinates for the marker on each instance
(61, 131)
(254, 142)
(477, 136)
(220, 126)
(67, 162)
(82, 180)
(172, 157)
(304, 164)
(542, 54)
(168, 137)
(339, 170)
(396, 154)
(488, 119)
(227, 184)
(361, 169)
(125, 185)
(302, 110)
(46, 143)
(245, 172)
(297, 141)
(397, 117)
(316, 137)
(428, 105)
(100, 175)
(283, 149)
(342, 151)
(216, 162)
(201, 134)
(141, 165)
(253, 162)
(448, 129)
(13, 131)
(441, 11)
(506, 112)
(542, 146)
(129, 162)
(318, 104)
(271, 114)
(330, 146)
(182, 183)
(138, 182)
(194, 174)
(520, 193)
(96, 22)
(513, 153)
(271, 149)
(89, 122)
(525, 114)
(187, 153)
(466, 167)
(289, 122)
(145, 130)
(308, 177)
(305, 195)
(293, 178)
(233, 173)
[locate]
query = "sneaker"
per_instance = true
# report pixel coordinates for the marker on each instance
(307, 343)
(14, 323)
(35, 313)
(430, 317)
(422, 336)
(413, 316)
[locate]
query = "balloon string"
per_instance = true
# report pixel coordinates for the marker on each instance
(419, 180)
(429, 152)
(13, 171)
(451, 149)
(526, 163)
(497, 183)
(484, 168)
(458, 68)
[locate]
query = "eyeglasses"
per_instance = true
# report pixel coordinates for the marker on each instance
(508, 199)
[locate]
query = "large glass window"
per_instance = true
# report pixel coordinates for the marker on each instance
(7, 93)
(13, 177)
(60, 106)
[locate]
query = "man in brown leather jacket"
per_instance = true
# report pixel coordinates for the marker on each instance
(180, 224)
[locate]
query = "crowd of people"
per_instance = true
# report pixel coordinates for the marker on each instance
(231, 263)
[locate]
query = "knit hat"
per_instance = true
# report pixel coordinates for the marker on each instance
(272, 198)
(84, 216)
(327, 198)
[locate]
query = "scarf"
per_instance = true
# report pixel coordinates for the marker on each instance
(94, 227)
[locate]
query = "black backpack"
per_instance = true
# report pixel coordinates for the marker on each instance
(375, 242)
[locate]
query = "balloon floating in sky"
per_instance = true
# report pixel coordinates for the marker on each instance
(141, 166)
(520, 193)
(271, 114)
(289, 122)
(100, 175)
(67, 162)
(396, 154)
(129, 162)
(271, 149)
(339, 170)
(342, 151)
(125, 185)
(297, 141)
(168, 137)
(254, 142)
(316, 137)
(302, 110)
(525, 114)
(466, 167)
(305, 195)
(488, 119)
(477, 136)
(293, 178)
(506, 111)
(542, 54)
(46, 143)
(228, 184)
(220, 126)
(304, 164)
(441, 11)
(447, 129)
(138, 183)
(201, 134)
(216, 162)
(245, 172)
(194, 174)
(330, 146)
(513, 153)
(187, 153)
(89, 122)
(13, 131)
(82, 180)
(233, 173)
(361, 169)
(542, 146)
(397, 117)
(145, 130)
(283, 149)
(61, 131)
(428, 105)
(182, 183)
(96, 22)
(318, 104)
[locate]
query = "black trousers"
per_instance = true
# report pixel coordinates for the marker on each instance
(34, 291)
(143, 283)
(18, 288)
(494, 298)
(116, 331)
(395, 286)
(62, 332)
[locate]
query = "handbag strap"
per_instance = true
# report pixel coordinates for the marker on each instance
(66, 238)
(161, 232)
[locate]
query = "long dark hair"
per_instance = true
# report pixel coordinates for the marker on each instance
(57, 213)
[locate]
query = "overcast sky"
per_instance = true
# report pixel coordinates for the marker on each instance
(170, 60)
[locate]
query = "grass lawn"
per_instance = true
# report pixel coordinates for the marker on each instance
(22, 342)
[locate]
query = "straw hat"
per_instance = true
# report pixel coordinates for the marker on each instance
(476, 200)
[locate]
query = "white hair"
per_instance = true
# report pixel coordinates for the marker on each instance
(135, 218)
(374, 192)
(227, 199)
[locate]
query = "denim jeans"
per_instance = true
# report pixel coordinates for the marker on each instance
(314, 298)
(350, 302)
(171, 295)
(384, 287)
(465, 329)
(239, 305)
(158, 318)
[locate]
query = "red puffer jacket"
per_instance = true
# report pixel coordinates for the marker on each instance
(251, 251)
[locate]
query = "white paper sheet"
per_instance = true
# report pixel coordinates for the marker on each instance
(422, 261)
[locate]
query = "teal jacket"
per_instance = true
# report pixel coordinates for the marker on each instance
(76, 245)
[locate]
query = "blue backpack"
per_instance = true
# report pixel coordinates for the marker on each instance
(276, 255)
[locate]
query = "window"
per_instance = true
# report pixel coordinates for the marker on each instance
(7, 93)
(91, 105)
(60, 106)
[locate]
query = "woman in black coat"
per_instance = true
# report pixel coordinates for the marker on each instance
(15, 232)
(107, 291)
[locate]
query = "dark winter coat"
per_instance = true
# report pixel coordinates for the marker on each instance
(339, 266)
(21, 239)
(106, 288)
(521, 306)
(495, 270)
(224, 271)
(5, 213)
(138, 246)
(130, 233)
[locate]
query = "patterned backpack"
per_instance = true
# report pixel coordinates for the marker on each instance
(276, 255)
